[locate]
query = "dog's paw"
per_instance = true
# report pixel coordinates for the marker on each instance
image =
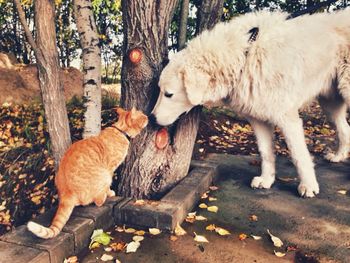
(308, 190)
(336, 157)
(262, 182)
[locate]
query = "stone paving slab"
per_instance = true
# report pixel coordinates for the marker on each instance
(20, 254)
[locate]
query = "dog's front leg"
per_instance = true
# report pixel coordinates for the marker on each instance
(264, 135)
(292, 127)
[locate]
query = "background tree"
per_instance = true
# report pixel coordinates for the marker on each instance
(91, 66)
(45, 51)
(149, 171)
(185, 5)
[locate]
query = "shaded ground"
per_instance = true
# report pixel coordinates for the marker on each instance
(26, 169)
(312, 230)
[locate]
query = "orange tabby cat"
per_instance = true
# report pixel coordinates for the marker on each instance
(86, 169)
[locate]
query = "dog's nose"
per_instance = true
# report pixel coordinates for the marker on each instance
(152, 119)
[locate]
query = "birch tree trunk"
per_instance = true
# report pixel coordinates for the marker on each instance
(46, 55)
(147, 171)
(183, 24)
(91, 66)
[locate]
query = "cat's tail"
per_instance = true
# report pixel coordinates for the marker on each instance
(62, 215)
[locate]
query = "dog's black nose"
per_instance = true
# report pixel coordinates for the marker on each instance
(152, 119)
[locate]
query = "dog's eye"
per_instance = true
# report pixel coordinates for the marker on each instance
(168, 95)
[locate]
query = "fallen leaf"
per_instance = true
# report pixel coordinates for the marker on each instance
(173, 238)
(342, 192)
(256, 237)
(154, 231)
(132, 247)
(211, 199)
(279, 254)
(117, 261)
(94, 245)
(222, 232)
(140, 202)
(202, 205)
(199, 238)
(117, 247)
(72, 259)
(286, 179)
(100, 237)
(213, 188)
(253, 218)
(179, 231)
(36, 199)
(201, 218)
(211, 227)
(139, 233)
(119, 229)
(204, 196)
(213, 209)
(130, 230)
(108, 249)
(191, 217)
(106, 257)
(242, 236)
(138, 238)
(276, 241)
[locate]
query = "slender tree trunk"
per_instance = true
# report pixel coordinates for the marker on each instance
(208, 14)
(181, 42)
(91, 66)
(147, 171)
(48, 70)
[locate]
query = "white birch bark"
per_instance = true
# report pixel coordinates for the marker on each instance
(91, 66)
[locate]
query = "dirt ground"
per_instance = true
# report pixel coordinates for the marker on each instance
(312, 230)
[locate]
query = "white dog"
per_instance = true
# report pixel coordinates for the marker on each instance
(266, 68)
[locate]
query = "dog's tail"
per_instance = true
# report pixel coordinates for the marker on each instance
(62, 215)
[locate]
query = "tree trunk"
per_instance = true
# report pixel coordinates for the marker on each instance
(208, 14)
(91, 66)
(45, 51)
(147, 171)
(181, 42)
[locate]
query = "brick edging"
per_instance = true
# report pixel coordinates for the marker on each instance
(22, 246)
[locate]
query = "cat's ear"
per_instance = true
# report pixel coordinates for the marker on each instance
(120, 110)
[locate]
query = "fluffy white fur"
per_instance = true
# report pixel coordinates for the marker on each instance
(291, 63)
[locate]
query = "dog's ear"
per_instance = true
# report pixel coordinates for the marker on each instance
(196, 83)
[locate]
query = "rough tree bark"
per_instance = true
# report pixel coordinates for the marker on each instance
(147, 171)
(208, 14)
(182, 37)
(46, 55)
(91, 66)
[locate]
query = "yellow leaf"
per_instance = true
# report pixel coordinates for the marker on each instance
(73, 259)
(173, 238)
(140, 233)
(256, 237)
(212, 199)
(36, 199)
(204, 196)
(211, 227)
(222, 232)
(279, 254)
(276, 241)
(179, 231)
(139, 202)
(154, 231)
(138, 238)
(132, 247)
(130, 230)
(201, 218)
(253, 218)
(106, 257)
(202, 205)
(342, 192)
(199, 238)
(213, 209)
(95, 245)
(242, 236)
